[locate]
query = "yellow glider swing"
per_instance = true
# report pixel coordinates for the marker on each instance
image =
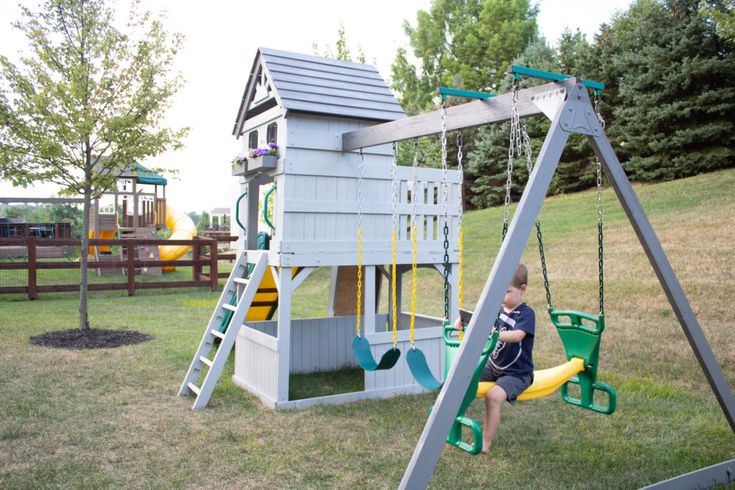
(580, 332)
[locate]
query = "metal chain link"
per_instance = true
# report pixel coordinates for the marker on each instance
(394, 246)
(358, 312)
(445, 209)
(414, 199)
(526, 143)
(460, 213)
(600, 251)
(513, 142)
(394, 178)
(544, 271)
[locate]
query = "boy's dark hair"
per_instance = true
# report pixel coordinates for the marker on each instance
(521, 276)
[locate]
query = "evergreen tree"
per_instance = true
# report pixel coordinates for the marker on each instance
(677, 111)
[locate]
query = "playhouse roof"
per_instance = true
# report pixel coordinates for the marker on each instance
(312, 84)
(142, 175)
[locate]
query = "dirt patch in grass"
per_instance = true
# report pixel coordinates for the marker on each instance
(93, 338)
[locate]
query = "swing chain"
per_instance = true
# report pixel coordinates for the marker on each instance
(460, 212)
(600, 254)
(395, 186)
(358, 315)
(543, 264)
(539, 235)
(445, 198)
(514, 141)
(414, 198)
(393, 272)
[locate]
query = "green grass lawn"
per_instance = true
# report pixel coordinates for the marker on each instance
(111, 418)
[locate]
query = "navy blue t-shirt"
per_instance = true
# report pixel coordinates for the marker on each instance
(515, 359)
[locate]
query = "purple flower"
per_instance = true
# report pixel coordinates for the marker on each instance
(272, 149)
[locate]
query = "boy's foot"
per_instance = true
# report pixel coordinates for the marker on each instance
(485, 447)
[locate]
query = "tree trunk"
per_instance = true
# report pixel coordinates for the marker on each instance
(83, 261)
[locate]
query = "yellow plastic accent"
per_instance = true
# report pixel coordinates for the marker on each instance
(359, 280)
(260, 313)
(103, 235)
(413, 282)
(545, 381)
(393, 275)
(460, 276)
(182, 228)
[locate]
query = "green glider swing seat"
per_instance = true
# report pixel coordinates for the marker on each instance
(580, 332)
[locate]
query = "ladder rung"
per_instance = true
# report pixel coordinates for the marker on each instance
(227, 306)
(205, 361)
(217, 334)
(194, 388)
(240, 280)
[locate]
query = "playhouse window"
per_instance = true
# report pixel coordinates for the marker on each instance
(253, 139)
(272, 133)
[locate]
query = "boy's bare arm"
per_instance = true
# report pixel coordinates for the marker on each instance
(512, 336)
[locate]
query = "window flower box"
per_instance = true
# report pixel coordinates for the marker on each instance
(239, 168)
(262, 162)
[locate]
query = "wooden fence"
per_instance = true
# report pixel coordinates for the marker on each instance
(204, 254)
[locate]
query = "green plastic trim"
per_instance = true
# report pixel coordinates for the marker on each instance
(237, 210)
(451, 350)
(265, 207)
(519, 71)
(581, 333)
(445, 91)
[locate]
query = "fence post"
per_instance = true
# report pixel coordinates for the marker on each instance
(213, 276)
(32, 291)
(195, 252)
(131, 266)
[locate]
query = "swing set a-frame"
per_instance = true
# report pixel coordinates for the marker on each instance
(565, 101)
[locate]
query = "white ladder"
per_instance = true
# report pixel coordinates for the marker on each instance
(239, 275)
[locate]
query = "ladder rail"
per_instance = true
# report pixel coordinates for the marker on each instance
(207, 339)
(225, 347)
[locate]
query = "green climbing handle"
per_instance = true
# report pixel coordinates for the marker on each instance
(265, 207)
(237, 210)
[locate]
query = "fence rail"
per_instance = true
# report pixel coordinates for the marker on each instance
(204, 254)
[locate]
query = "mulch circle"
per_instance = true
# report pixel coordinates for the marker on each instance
(91, 338)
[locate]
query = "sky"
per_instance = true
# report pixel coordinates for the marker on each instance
(221, 42)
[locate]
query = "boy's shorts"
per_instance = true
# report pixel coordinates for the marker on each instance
(512, 385)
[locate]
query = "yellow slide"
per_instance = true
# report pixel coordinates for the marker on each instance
(103, 235)
(182, 228)
(545, 381)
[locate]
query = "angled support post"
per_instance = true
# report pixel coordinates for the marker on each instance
(666, 276)
(432, 440)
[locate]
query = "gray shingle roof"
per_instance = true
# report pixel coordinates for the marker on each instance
(312, 84)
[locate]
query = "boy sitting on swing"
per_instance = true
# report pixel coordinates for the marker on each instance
(510, 365)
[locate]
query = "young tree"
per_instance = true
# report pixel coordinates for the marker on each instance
(86, 102)
(463, 44)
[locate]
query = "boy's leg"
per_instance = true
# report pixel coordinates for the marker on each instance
(493, 403)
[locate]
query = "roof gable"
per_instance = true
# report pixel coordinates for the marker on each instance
(312, 84)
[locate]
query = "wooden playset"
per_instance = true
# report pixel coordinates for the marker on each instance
(342, 202)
